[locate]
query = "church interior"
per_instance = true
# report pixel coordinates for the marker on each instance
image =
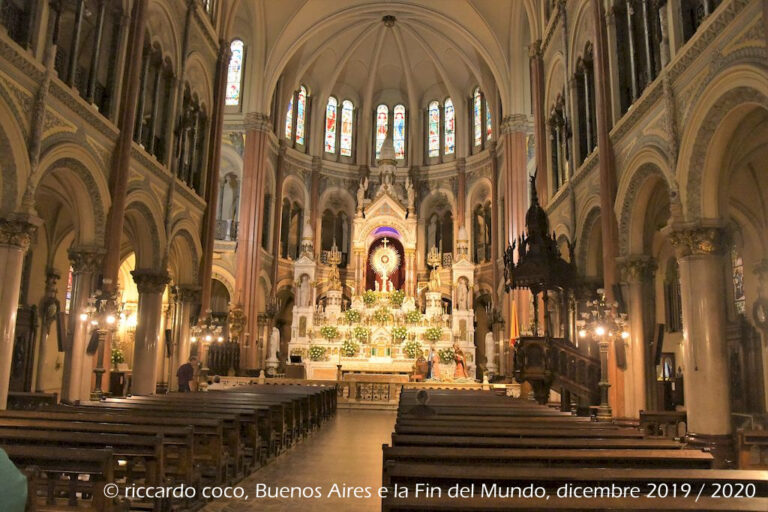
(368, 255)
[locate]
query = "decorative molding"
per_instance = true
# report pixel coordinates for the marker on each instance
(724, 104)
(630, 201)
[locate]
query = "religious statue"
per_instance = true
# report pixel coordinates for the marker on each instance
(490, 353)
(334, 279)
(434, 362)
(461, 363)
(434, 280)
(462, 293)
(274, 346)
(376, 285)
(410, 193)
(361, 193)
(305, 295)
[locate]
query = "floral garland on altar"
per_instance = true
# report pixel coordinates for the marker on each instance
(433, 334)
(412, 349)
(349, 348)
(447, 355)
(316, 353)
(399, 333)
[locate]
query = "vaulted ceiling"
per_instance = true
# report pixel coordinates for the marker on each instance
(386, 51)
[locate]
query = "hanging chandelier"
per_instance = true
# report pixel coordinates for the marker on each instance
(206, 330)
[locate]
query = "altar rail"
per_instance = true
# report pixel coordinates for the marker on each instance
(360, 391)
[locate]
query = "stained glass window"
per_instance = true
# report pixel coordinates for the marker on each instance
(399, 134)
(68, 296)
(289, 119)
(433, 124)
(488, 124)
(382, 114)
(235, 73)
(347, 109)
(737, 265)
(330, 126)
(450, 128)
(301, 114)
(477, 112)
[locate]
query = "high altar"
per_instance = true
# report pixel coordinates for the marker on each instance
(388, 323)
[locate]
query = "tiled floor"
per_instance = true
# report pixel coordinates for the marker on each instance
(346, 451)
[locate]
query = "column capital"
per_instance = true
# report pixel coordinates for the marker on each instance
(698, 239)
(514, 123)
(638, 268)
(188, 293)
(258, 122)
(85, 259)
(17, 231)
(461, 164)
(317, 164)
(150, 281)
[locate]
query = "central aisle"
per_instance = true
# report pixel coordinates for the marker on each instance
(345, 451)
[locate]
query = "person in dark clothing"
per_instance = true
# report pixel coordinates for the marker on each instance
(185, 374)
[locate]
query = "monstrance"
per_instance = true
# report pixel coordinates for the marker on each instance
(384, 261)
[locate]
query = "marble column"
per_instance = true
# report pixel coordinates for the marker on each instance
(151, 285)
(257, 150)
(212, 177)
(700, 250)
(47, 321)
(77, 371)
(15, 237)
(461, 200)
(539, 118)
(639, 271)
(607, 168)
(514, 131)
(121, 159)
(185, 298)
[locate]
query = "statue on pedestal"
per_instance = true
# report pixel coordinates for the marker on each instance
(274, 346)
(490, 353)
(434, 280)
(410, 193)
(305, 295)
(462, 292)
(361, 193)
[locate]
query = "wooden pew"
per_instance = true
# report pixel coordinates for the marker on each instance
(178, 441)
(535, 442)
(493, 431)
(552, 457)
(67, 478)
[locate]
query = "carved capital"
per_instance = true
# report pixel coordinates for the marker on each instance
(699, 240)
(637, 269)
(85, 259)
(514, 123)
(188, 293)
(17, 232)
(257, 121)
(150, 281)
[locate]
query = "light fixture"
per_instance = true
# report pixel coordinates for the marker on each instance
(608, 325)
(103, 311)
(206, 329)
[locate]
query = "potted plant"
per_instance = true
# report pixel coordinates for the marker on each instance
(329, 332)
(361, 334)
(433, 334)
(369, 298)
(381, 315)
(349, 348)
(352, 315)
(396, 298)
(412, 349)
(316, 353)
(447, 362)
(117, 357)
(413, 316)
(399, 333)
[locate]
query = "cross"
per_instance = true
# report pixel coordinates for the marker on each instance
(384, 242)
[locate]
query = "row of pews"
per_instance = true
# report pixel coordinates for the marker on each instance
(473, 450)
(178, 440)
